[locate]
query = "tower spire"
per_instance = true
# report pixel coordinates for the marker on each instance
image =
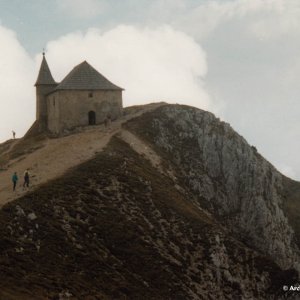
(45, 76)
(44, 85)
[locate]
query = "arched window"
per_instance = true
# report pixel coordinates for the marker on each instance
(92, 118)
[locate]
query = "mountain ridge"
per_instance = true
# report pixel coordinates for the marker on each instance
(147, 217)
(232, 165)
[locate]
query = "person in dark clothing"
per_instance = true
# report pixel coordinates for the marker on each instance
(14, 180)
(26, 179)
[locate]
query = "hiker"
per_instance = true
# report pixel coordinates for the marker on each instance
(26, 179)
(14, 180)
(14, 135)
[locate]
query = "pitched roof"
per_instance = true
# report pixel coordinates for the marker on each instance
(85, 77)
(44, 76)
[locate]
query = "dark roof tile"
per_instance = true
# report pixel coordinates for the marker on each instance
(44, 76)
(85, 77)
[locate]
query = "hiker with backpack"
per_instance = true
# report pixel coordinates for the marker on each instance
(26, 179)
(14, 180)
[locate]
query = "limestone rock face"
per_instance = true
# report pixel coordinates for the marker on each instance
(226, 175)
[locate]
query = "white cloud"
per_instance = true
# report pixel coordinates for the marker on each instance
(206, 17)
(82, 8)
(253, 51)
(285, 20)
(16, 86)
(151, 64)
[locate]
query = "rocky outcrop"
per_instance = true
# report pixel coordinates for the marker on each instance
(227, 176)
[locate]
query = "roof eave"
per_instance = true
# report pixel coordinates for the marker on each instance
(87, 89)
(58, 90)
(56, 84)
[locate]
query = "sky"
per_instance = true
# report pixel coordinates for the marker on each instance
(239, 59)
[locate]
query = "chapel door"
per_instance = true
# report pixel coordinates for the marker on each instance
(92, 118)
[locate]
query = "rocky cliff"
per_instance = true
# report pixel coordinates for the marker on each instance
(177, 206)
(226, 175)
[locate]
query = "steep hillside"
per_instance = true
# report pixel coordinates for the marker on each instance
(48, 157)
(228, 177)
(291, 205)
(4, 149)
(176, 206)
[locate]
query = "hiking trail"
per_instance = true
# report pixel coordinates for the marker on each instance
(57, 155)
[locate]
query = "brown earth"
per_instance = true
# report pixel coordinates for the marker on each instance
(48, 158)
(109, 230)
(109, 216)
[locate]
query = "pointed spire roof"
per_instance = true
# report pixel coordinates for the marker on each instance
(44, 76)
(85, 77)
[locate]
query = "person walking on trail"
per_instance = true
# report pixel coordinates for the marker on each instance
(26, 179)
(14, 135)
(14, 180)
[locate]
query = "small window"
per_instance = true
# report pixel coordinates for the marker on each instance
(90, 94)
(53, 101)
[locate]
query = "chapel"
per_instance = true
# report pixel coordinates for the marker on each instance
(84, 97)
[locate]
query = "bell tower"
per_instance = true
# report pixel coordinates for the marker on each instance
(44, 85)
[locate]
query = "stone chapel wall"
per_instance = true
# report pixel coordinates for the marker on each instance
(69, 109)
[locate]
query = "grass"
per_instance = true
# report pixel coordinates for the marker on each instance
(112, 232)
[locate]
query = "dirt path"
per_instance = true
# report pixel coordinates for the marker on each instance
(52, 160)
(141, 148)
(59, 155)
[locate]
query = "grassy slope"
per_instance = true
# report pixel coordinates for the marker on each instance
(19, 148)
(99, 231)
(56, 265)
(4, 147)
